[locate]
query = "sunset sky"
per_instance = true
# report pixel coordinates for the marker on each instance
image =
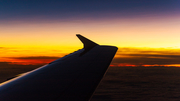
(147, 32)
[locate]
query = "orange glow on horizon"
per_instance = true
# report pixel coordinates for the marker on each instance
(29, 61)
(124, 56)
(144, 65)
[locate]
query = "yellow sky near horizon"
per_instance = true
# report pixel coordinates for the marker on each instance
(140, 32)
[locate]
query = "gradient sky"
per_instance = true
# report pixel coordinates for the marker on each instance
(147, 32)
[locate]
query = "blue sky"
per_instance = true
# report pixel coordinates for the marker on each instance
(84, 9)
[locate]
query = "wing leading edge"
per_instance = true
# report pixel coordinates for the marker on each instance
(73, 77)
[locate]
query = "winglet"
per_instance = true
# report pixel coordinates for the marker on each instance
(88, 44)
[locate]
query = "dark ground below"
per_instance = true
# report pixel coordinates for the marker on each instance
(125, 83)
(139, 84)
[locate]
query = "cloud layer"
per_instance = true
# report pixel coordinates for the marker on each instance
(134, 56)
(124, 57)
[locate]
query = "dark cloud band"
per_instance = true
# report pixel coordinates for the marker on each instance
(36, 57)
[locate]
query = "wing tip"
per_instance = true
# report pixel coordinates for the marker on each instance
(88, 44)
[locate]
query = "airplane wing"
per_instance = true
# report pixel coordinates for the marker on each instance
(70, 78)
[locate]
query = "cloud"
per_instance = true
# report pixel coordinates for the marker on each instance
(147, 56)
(4, 63)
(148, 61)
(148, 50)
(34, 60)
(4, 48)
(37, 57)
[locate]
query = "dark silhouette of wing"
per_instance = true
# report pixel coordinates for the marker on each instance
(71, 78)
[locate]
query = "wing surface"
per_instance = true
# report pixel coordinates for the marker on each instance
(73, 77)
